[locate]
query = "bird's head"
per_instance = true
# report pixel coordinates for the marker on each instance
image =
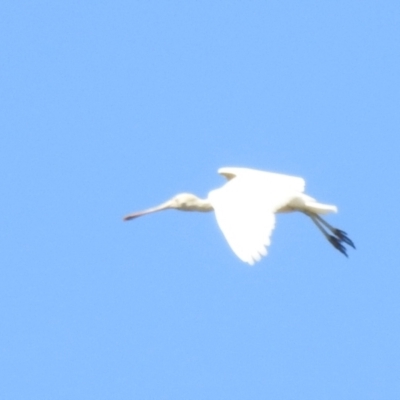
(189, 202)
(184, 201)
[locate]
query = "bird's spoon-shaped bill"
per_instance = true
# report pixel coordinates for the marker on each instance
(137, 214)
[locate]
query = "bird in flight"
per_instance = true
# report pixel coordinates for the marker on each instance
(245, 209)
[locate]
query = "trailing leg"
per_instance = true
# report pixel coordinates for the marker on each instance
(337, 239)
(337, 232)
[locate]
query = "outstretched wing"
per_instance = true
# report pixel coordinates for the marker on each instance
(269, 178)
(245, 208)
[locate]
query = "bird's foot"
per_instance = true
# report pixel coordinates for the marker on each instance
(341, 235)
(336, 242)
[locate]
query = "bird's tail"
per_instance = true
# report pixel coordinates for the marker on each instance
(319, 208)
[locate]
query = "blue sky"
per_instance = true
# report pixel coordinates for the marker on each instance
(111, 107)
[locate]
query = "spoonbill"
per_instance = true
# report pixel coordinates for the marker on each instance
(245, 209)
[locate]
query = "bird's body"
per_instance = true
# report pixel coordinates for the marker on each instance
(245, 209)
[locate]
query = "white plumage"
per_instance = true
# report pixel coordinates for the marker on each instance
(246, 205)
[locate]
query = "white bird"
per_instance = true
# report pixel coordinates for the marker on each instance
(245, 209)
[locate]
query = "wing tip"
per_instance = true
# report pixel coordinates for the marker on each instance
(227, 172)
